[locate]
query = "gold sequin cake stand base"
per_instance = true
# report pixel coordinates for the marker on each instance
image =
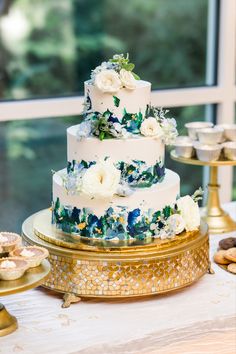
(89, 269)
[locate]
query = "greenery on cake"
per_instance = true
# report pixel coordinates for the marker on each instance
(107, 179)
(110, 77)
(119, 223)
(107, 126)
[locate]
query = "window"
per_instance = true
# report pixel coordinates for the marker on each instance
(48, 49)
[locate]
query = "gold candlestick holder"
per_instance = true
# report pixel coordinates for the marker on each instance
(217, 219)
(32, 278)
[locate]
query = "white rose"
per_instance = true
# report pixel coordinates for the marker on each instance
(176, 223)
(108, 81)
(190, 212)
(101, 180)
(128, 79)
(150, 127)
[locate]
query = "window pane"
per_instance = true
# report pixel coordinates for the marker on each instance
(49, 47)
(29, 150)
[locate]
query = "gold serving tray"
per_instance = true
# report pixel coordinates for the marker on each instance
(195, 161)
(85, 270)
(213, 214)
(31, 279)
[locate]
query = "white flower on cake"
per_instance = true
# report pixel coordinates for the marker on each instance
(3, 238)
(84, 130)
(101, 180)
(176, 223)
(118, 131)
(127, 79)
(27, 253)
(150, 127)
(8, 264)
(189, 210)
(108, 81)
(169, 130)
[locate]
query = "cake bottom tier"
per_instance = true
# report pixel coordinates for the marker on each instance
(103, 218)
(116, 273)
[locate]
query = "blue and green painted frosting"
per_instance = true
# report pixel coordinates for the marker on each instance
(136, 174)
(119, 223)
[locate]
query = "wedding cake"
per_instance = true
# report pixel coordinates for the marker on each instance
(115, 185)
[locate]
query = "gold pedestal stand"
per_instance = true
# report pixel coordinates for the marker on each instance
(83, 267)
(216, 218)
(32, 278)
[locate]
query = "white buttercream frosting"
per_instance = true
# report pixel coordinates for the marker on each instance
(8, 264)
(155, 197)
(132, 100)
(27, 253)
(148, 149)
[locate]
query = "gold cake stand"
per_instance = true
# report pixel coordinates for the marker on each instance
(217, 219)
(83, 267)
(32, 278)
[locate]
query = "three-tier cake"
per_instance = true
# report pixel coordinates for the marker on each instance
(116, 185)
(118, 226)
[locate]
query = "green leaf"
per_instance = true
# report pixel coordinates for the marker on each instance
(101, 135)
(128, 67)
(136, 76)
(116, 101)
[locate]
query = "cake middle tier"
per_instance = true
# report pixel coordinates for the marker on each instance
(156, 197)
(148, 149)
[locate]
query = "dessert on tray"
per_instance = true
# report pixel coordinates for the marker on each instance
(9, 241)
(15, 260)
(34, 255)
(226, 255)
(12, 268)
(116, 185)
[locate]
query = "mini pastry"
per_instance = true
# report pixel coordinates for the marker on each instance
(219, 257)
(12, 268)
(231, 254)
(9, 241)
(232, 268)
(33, 254)
(227, 243)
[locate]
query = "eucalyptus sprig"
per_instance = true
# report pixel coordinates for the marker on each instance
(198, 194)
(123, 63)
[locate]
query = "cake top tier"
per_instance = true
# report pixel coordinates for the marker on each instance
(118, 105)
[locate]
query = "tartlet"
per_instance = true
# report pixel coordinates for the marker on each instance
(12, 273)
(38, 254)
(9, 241)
